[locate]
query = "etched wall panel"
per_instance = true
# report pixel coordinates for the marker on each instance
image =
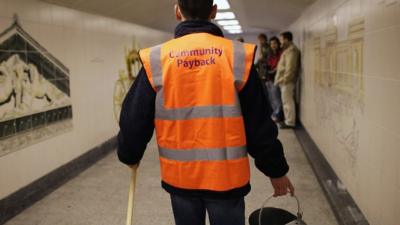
(34, 91)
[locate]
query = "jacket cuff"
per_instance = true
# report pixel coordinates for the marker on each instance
(273, 168)
(125, 159)
(123, 152)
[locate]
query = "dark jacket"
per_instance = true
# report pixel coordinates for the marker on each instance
(137, 123)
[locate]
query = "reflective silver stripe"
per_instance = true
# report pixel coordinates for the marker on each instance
(155, 65)
(216, 154)
(199, 112)
(186, 113)
(239, 62)
(195, 112)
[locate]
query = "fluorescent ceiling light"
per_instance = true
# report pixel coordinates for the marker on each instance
(222, 4)
(235, 27)
(235, 31)
(228, 22)
(225, 16)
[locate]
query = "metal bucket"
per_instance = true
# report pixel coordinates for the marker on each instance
(276, 216)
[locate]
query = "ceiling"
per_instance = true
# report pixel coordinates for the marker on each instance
(254, 15)
(268, 15)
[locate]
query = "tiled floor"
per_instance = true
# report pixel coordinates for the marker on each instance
(98, 196)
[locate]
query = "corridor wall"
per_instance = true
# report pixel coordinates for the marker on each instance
(350, 88)
(92, 48)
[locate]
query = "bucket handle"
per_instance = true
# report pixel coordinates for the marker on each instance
(299, 211)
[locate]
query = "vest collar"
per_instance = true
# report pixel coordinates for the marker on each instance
(194, 26)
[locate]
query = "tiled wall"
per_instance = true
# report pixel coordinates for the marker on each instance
(93, 49)
(350, 97)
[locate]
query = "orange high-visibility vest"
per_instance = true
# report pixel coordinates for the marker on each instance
(198, 120)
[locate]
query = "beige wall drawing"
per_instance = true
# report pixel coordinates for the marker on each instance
(337, 61)
(126, 77)
(338, 76)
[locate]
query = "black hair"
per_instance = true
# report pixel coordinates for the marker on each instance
(196, 9)
(276, 40)
(287, 35)
(264, 36)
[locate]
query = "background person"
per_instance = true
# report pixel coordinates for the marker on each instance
(286, 78)
(274, 92)
(261, 64)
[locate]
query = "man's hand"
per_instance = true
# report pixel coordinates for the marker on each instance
(282, 186)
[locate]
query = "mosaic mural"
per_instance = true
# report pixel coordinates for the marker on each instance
(35, 99)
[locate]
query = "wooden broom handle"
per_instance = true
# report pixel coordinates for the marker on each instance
(131, 196)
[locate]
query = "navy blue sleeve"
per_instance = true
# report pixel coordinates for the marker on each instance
(261, 132)
(136, 120)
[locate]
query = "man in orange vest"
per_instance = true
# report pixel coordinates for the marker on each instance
(205, 100)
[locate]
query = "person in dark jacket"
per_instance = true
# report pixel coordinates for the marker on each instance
(137, 126)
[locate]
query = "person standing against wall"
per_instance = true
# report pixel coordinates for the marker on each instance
(205, 100)
(274, 92)
(261, 64)
(286, 78)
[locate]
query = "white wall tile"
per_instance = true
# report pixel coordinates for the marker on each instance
(391, 106)
(5, 23)
(392, 13)
(375, 18)
(374, 99)
(381, 53)
(3, 8)
(73, 19)
(25, 9)
(45, 12)
(388, 180)
(397, 173)
(382, 14)
(58, 15)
